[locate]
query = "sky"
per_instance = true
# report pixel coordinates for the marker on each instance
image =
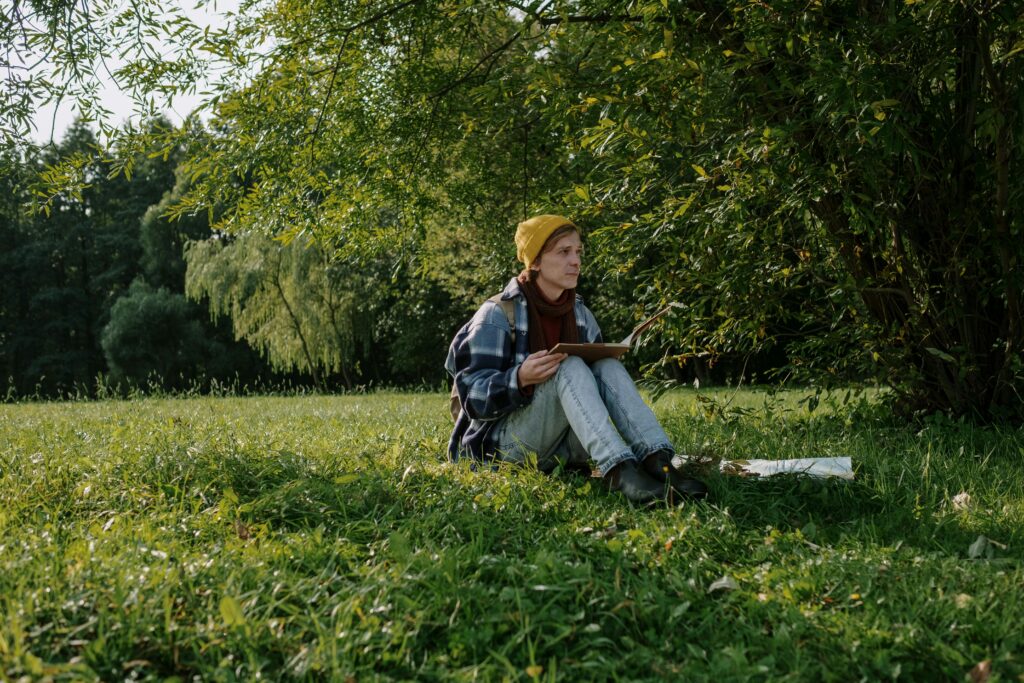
(47, 126)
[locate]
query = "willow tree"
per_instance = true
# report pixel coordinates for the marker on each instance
(285, 300)
(835, 179)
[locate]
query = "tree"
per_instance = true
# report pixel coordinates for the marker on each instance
(60, 264)
(65, 269)
(154, 336)
(280, 300)
(16, 280)
(835, 180)
(79, 258)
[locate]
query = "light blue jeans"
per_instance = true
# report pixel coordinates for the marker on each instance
(582, 412)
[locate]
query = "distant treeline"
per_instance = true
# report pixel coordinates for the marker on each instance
(94, 295)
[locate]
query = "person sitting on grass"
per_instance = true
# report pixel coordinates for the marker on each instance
(518, 399)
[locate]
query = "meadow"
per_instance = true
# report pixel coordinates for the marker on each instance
(326, 538)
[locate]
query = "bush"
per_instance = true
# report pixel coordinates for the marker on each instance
(155, 333)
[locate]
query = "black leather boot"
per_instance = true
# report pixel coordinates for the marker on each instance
(635, 484)
(658, 466)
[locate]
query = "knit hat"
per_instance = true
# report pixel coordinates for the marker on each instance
(533, 233)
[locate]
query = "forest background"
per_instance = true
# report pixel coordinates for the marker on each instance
(828, 187)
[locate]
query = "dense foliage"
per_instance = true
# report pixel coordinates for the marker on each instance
(63, 270)
(94, 296)
(831, 182)
(88, 299)
(306, 313)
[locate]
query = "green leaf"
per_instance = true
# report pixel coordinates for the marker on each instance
(231, 612)
(940, 354)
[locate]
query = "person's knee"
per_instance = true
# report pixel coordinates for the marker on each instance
(608, 366)
(572, 365)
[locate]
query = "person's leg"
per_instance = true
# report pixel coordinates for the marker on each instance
(633, 418)
(640, 428)
(571, 454)
(569, 401)
(538, 427)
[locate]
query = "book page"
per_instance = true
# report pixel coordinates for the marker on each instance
(592, 352)
(631, 337)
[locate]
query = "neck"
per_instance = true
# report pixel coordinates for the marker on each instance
(551, 292)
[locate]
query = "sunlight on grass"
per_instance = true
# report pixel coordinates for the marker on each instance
(324, 537)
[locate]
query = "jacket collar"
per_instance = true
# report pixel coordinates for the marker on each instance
(512, 290)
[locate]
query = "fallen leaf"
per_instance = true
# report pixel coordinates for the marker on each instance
(979, 548)
(136, 663)
(726, 583)
(981, 672)
(534, 671)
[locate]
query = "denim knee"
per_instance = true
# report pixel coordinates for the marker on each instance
(572, 365)
(606, 366)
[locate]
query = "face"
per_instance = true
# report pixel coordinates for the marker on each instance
(558, 268)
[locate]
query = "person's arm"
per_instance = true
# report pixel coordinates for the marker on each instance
(590, 332)
(487, 376)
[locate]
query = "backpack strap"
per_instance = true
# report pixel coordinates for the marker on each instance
(509, 307)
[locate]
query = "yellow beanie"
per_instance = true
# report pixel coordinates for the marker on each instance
(531, 235)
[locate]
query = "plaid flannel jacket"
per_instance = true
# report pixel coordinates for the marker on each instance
(485, 366)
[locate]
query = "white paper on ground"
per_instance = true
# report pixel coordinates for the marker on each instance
(821, 468)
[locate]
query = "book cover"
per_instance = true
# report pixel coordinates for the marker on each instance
(593, 352)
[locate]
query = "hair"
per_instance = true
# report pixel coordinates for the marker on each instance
(549, 244)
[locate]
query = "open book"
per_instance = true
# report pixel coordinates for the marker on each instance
(592, 352)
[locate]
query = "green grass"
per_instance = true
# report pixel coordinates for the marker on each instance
(324, 538)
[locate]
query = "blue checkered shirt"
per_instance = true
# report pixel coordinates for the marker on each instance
(485, 367)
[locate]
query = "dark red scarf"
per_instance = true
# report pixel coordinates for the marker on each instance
(537, 305)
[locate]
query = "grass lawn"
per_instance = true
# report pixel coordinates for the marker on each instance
(325, 538)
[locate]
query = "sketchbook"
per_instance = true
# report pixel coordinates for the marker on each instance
(593, 352)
